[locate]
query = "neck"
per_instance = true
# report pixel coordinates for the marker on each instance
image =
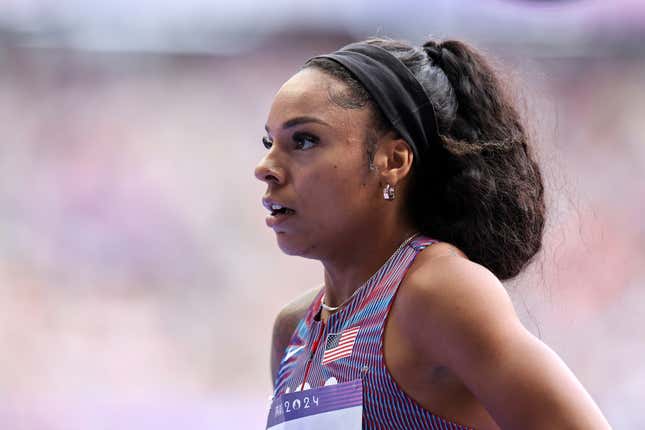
(358, 261)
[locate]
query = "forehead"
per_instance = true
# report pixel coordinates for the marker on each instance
(307, 93)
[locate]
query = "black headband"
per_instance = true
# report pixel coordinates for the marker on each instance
(395, 90)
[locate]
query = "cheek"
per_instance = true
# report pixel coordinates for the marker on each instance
(341, 190)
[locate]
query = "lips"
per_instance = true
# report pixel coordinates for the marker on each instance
(278, 212)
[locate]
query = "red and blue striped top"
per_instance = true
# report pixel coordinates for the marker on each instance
(385, 404)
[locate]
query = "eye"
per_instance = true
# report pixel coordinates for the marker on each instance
(304, 141)
(268, 143)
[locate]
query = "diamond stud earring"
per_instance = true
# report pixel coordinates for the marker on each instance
(388, 192)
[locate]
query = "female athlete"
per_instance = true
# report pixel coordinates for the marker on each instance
(407, 172)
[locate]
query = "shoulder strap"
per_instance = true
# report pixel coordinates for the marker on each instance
(421, 242)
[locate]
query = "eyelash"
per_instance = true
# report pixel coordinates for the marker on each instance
(299, 138)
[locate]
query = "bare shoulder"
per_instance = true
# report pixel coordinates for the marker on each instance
(289, 316)
(457, 313)
(445, 275)
(285, 323)
(449, 294)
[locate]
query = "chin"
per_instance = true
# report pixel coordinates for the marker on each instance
(290, 246)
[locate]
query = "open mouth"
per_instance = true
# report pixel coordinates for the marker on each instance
(281, 210)
(277, 213)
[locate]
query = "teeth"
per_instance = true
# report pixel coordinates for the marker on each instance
(276, 207)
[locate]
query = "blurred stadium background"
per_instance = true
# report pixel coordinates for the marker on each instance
(138, 283)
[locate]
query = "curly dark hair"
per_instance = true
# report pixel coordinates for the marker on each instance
(481, 189)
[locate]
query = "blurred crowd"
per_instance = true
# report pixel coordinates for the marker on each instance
(138, 282)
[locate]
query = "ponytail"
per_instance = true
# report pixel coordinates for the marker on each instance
(486, 193)
(481, 189)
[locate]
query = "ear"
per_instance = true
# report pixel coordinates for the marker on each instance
(393, 159)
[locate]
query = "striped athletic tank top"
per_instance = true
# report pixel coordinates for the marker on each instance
(385, 404)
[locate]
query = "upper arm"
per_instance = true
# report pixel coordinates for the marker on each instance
(461, 316)
(284, 326)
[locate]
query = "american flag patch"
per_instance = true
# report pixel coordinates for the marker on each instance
(339, 345)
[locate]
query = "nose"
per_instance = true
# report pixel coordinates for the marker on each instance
(268, 171)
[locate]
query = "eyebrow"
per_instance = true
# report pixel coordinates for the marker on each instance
(300, 120)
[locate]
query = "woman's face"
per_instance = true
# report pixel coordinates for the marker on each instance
(316, 167)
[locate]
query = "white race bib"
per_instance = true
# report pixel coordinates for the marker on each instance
(338, 407)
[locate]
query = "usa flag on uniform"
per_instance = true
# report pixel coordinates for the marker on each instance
(339, 345)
